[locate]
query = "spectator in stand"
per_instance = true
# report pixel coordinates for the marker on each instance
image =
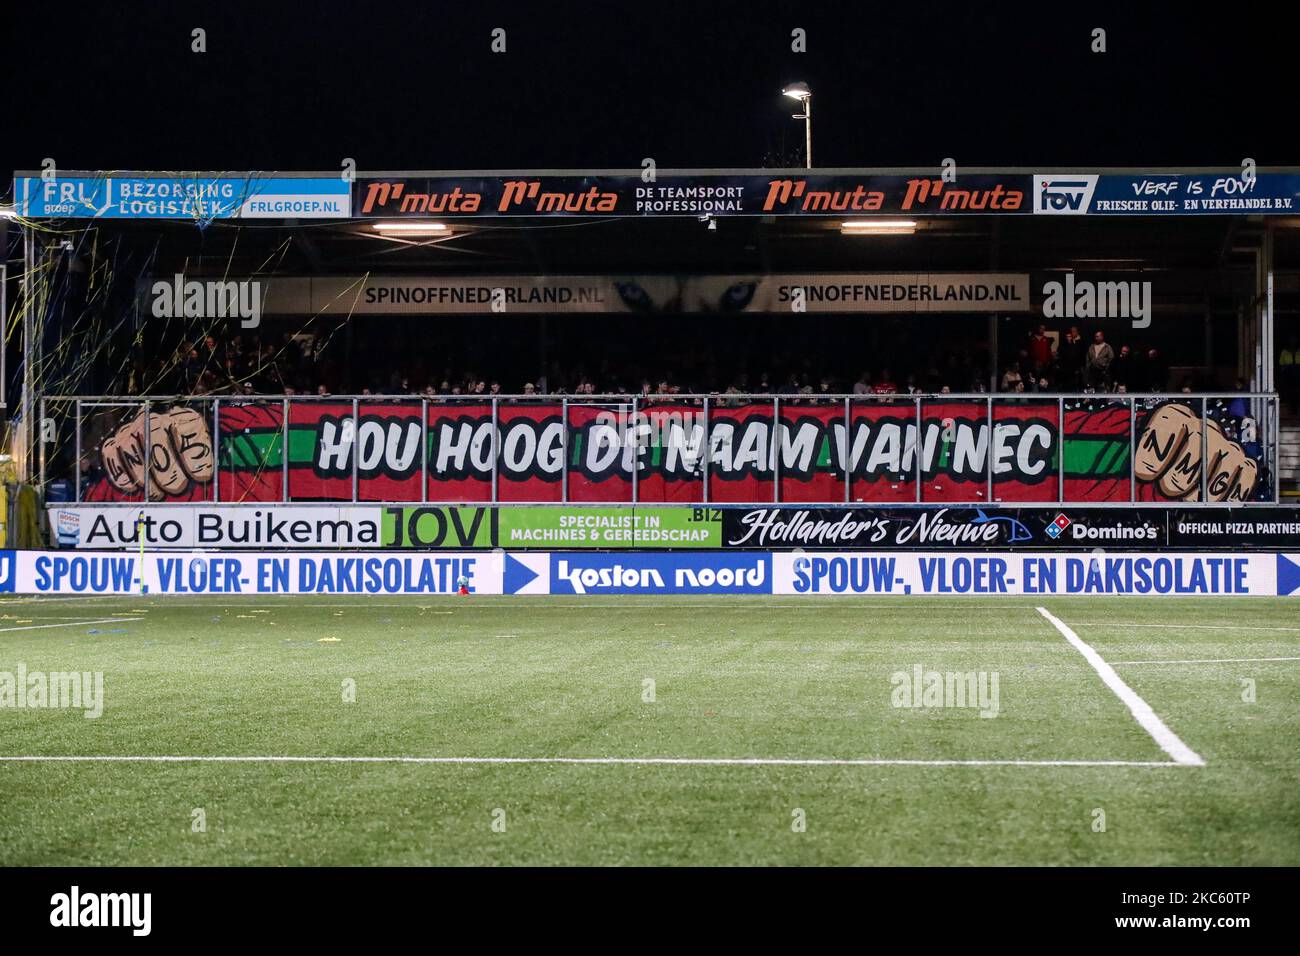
(1040, 350)
(863, 385)
(1071, 358)
(1238, 407)
(1156, 371)
(1288, 374)
(885, 386)
(1011, 378)
(1100, 359)
(1123, 370)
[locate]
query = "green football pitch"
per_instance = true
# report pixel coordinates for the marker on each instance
(484, 730)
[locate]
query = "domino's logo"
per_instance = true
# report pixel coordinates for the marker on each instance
(1058, 526)
(1064, 194)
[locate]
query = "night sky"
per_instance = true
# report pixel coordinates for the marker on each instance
(414, 85)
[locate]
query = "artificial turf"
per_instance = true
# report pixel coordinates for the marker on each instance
(779, 678)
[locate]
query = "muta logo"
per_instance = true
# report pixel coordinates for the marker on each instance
(782, 192)
(379, 195)
(199, 299)
(529, 195)
(921, 192)
(1098, 300)
(1063, 195)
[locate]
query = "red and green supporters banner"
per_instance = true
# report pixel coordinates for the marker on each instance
(793, 450)
(953, 446)
(1097, 444)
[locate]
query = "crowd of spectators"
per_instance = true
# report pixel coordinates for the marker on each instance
(1071, 363)
(312, 364)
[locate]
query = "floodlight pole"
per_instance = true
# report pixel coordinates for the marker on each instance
(25, 402)
(799, 91)
(807, 130)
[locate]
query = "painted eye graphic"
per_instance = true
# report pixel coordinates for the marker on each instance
(738, 297)
(635, 297)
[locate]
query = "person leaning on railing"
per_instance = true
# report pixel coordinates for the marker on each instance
(1288, 375)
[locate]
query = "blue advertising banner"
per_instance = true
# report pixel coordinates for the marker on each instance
(182, 196)
(1156, 194)
(713, 572)
(854, 193)
(472, 574)
(1006, 573)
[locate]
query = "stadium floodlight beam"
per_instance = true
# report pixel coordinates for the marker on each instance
(799, 91)
(878, 227)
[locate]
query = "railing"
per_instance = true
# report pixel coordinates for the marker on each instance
(986, 449)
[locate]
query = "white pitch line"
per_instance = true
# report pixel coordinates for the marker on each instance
(1218, 660)
(37, 627)
(1203, 627)
(626, 761)
(1139, 708)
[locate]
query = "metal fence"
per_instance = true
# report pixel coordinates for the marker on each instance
(135, 448)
